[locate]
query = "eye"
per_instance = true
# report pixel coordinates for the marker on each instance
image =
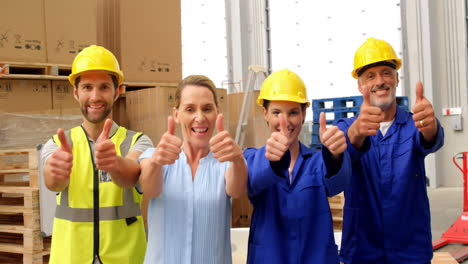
(207, 109)
(370, 76)
(87, 87)
(275, 112)
(189, 109)
(294, 112)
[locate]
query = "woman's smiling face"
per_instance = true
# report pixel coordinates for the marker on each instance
(196, 115)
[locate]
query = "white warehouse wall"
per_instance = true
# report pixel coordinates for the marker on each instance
(436, 53)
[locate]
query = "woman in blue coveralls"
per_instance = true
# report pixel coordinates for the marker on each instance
(190, 181)
(288, 183)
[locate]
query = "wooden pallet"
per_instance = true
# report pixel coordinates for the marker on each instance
(443, 258)
(23, 70)
(134, 86)
(20, 230)
(336, 207)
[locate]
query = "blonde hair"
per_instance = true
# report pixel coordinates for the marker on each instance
(198, 80)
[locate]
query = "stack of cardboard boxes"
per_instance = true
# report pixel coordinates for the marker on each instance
(144, 36)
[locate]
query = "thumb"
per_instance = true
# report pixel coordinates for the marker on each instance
(219, 123)
(419, 92)
(323, 123)
(366, 96)
(283, 126)
(105, 131)
(63, 141)
(170, 125)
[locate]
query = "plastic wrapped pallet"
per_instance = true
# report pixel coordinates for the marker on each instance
(28, 129)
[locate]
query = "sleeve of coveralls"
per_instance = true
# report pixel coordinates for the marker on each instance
(262, 172)
(337, 182)
(438, 142)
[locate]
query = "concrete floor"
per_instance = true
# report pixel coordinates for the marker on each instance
(446, 207)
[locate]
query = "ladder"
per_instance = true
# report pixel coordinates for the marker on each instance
(254, 72)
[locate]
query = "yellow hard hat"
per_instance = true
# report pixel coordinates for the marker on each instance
(374, 51)
(283, 85)
(95, 58)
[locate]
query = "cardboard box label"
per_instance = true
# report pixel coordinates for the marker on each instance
(62, 95)
(25, 95)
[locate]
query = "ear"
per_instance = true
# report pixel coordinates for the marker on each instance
(265, 113)
(118, 92)
(75, 93)
(265, 116)
(175, 114)
(397, 78)
(360, 86)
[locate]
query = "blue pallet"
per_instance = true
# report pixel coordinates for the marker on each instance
(350, 102)
(345, 112)
(333, 115)
(315, 139)
(341, 111)
(335, 103)
(402, 102)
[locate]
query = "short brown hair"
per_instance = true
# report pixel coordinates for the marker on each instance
(115, 81)
(266, 104)
(198, 80)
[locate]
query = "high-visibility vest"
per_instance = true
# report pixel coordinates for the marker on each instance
(95, 218)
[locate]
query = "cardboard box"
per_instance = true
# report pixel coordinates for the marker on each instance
(22, 31)
(148, 110)
(25, 95)
(62, 95)
(119, 112)
(257, 131)
(70, 27)
(241, 212)
(149, 47)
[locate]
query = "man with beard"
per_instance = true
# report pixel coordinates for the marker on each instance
(94, 169)
(386, 212)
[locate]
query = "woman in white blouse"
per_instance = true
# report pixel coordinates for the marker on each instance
(190, 181)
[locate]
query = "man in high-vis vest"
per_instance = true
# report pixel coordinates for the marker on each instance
(94, 170)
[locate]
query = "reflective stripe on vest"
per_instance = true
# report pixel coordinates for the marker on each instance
(127, 210)
(130, 208)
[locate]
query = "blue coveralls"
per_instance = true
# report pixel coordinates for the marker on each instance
(386, 214)
(292, 223)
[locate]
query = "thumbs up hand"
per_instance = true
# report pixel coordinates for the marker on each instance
(169, 147)
(367, 123)
(369, 116)
(61, 161)
(423, 115)
(222, 145)
(278, 143)
(332, 138)
(105, 153)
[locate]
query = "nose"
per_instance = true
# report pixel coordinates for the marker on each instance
(379, 80)
(199, 116)
(94, 94)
